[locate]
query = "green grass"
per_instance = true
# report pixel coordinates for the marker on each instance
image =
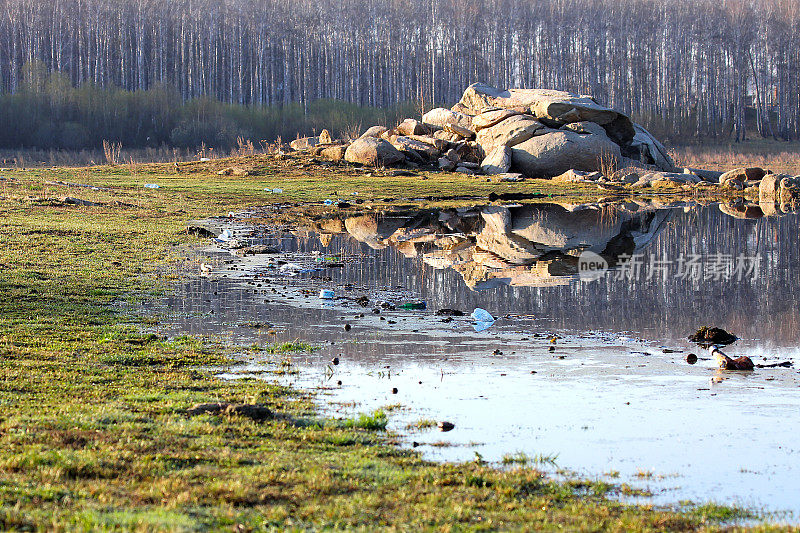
(94, 433)
(375, 421)
(290, 347)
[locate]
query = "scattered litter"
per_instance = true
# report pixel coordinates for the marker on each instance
(205, 159)
(784, 364)
(326, 294)
(445, 425)
(482, 315)
(328, 202)
(414, 305)
(152, 185)
(726, 363)
(225, 236)
(691, 358)
(483, 319)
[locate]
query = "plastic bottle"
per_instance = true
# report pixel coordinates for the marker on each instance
(413, 305)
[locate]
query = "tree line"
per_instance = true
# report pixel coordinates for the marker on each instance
(714, 68)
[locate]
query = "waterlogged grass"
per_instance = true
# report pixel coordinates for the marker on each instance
(295, 346)
(375, 421)
(94, 430)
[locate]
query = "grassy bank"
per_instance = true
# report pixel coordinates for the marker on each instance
(94, 432)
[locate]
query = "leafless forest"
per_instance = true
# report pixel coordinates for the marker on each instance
(717, 68)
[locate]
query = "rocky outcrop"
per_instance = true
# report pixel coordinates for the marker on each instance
(557, 107)
(547, 132)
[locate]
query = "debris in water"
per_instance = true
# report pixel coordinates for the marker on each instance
(394, 390)
(445, 425)
(708, 336)
(691, 358)
(449, 312)
(326, 294)
(726, 363)
(483, 319)
(225, 236)
(414, 305)
(335, 361)
(482, 315)
(152, 185)
(347, 327)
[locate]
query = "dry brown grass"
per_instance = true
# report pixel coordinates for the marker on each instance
(780, 157)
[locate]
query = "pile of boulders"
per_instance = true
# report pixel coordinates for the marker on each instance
(531, 133)
(534, 133)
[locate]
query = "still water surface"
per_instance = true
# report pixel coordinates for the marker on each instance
(612, 394)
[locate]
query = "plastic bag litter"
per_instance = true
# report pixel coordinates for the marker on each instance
(483, 319)
(152, 185)
(225, 236)
(482, 315)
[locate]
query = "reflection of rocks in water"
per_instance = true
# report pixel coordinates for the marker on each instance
(518, 245)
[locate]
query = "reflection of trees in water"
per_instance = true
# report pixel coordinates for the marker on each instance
(667, 306)
(765, 307)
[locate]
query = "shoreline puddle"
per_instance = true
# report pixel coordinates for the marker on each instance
(591, 372)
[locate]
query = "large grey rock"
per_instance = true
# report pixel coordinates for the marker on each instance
(498, 161)
(487, 119)
(411, 127)
(586, 127)
(373, 152)
(743, 174)
(447, 136)
(374, 131)
(711, 176)
(651, 151)
(545, 156)
(558, 106)
(511, 131)
(404, 143)
(304, 143)
(440, 116)
(461, 131)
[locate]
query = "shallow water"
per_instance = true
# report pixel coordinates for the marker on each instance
(612, 394)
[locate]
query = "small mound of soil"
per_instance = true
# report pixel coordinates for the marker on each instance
(708, 336)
